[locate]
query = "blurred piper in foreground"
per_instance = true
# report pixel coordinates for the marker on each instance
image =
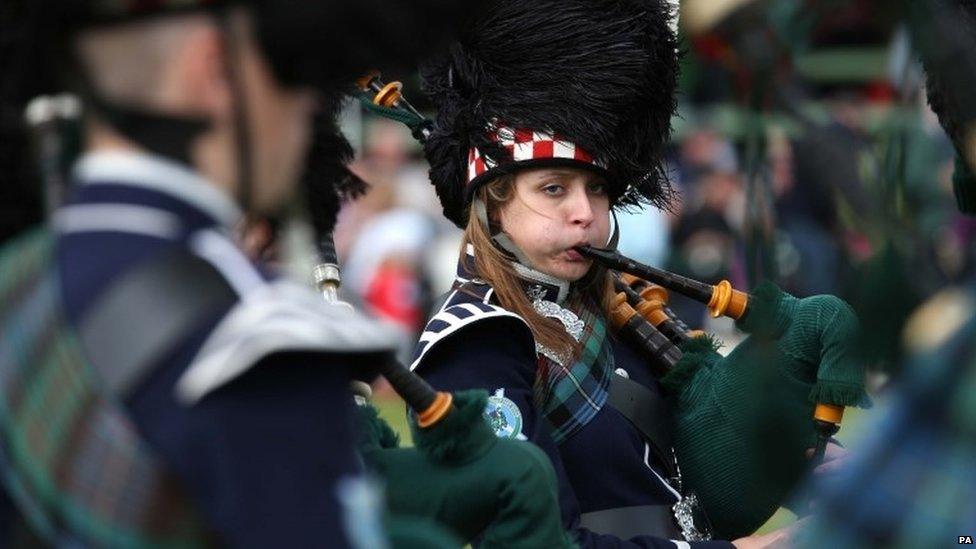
(158, 388)
(913, 480)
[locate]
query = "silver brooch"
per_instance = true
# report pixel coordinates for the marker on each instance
(535, 293)
(684, 513)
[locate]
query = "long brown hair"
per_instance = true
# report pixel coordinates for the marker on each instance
(494, 267)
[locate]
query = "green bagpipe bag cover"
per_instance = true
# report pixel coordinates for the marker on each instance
(465, 478)
(743, 422)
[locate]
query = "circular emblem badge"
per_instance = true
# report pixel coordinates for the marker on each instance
(503, 416)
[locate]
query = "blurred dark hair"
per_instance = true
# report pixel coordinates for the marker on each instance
(327, 181)
(21, 204)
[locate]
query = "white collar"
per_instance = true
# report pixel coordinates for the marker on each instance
(154, 172)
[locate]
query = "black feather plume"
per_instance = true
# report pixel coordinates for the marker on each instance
(327, 181)
(600, 73)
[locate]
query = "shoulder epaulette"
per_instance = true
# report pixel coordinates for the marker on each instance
(465, 306)
(281, 316)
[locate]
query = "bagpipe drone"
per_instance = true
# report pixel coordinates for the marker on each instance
(743, 422)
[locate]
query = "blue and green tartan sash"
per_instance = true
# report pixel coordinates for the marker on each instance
(571, 395)
(71, 459)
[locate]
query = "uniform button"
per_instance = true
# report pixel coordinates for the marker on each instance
(622, 373)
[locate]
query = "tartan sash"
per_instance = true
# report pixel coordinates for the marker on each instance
(570, 395)
(71, 459)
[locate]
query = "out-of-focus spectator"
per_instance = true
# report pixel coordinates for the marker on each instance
(383, 237)
(704, 233)
(704, 149)
(703, 239)
(384, 271)
(831, 167)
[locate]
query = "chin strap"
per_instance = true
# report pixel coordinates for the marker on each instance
(614, 232)
(500, 239)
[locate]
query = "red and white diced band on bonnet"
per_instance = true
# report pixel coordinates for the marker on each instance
(529, 148)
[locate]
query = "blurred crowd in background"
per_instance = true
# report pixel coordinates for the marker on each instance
(842, 172)
(804, 152)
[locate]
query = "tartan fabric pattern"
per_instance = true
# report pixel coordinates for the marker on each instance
(525, 145)
(72, 461)
(913, 483)
(569, 396)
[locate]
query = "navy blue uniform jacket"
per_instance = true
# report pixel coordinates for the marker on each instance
(263, 453)
(473, 343)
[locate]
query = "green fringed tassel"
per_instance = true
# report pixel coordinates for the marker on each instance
(375, 432)
(701, 344)
(819, 334)
(462, 436)
(698, 352)
(840, 394)
(840, 369)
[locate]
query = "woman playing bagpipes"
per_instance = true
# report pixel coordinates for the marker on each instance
(551, 114)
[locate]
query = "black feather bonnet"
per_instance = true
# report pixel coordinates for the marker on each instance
(946, 43)
(597, 75)
(945, 35)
